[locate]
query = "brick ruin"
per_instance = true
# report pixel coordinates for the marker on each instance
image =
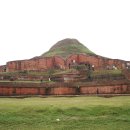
(105, 85)
(26, 89)
(45, 63)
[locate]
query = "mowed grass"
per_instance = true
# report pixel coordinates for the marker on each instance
(65, 113)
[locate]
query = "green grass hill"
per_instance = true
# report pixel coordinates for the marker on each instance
(67, 47)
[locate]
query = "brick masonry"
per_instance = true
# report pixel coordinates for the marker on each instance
(18, 89)
(41, 64)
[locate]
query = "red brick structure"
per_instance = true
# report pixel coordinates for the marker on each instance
(44, 63)
(3, 68)
(126, 72)
(68, 53)
(36, 64)
(18, 89)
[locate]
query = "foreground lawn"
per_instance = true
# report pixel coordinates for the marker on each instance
(65, 113)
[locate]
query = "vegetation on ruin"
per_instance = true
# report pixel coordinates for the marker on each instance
(58, 71)
(98, 75)
(107, 72)
(67, 47)
(65, 113)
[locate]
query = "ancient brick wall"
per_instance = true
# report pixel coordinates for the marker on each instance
(11, 66)
(62, 91)
(15, 91)
(28, 65)
(58, 62)
(70, 60)
(93, 60)
(2, 68)
(126, 73)
(119, 63)
(106, 89)
(98, 61)
(32, 64)
(11, 89)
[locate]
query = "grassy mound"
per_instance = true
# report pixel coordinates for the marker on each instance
(66, 47)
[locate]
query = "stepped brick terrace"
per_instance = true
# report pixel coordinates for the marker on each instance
(68, 68)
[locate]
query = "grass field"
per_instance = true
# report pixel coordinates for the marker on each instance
(65, 113)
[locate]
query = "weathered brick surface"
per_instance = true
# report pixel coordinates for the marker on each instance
(61, 89)
(58, 62)
(32, 64)
(113, 89)
(42, 91)
(2, 68)
(126, 73)
(6, 91)
(28, 91)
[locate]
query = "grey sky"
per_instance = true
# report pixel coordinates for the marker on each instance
(29, 28)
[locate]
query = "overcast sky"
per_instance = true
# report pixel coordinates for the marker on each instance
(29, 28)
